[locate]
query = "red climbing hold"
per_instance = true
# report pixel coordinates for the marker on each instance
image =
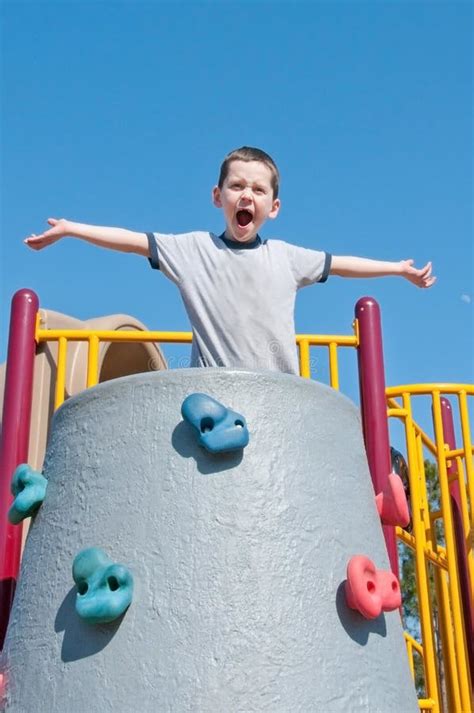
(392, 502)
(370, 590)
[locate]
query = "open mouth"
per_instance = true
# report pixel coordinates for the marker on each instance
(244, 217)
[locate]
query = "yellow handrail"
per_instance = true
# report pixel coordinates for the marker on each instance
(94, 337)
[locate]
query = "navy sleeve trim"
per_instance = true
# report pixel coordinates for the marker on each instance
(153, 248)
(326, 268)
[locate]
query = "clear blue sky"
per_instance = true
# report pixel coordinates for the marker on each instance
(120, 114)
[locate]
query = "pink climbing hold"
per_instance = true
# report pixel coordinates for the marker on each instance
(392, 503)
(370, 590)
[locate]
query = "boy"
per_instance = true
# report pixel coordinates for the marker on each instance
(239, 290)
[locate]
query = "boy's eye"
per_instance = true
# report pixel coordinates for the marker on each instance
(259, 190)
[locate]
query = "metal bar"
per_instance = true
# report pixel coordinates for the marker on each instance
(373, 406)
(469, 472)
(455, 452)
(409, 540)
(93, 361)
(428, 548)
(411, 663)
(178, 337)
(449, 649)
(427, 389)
(305, 368)
(60, 373)
(15, 436)
(445, 628)
(396, 413)
(414, 643)
(333, 366)
(430, 540)
(465, 517)
(454, 586)
(436, 559)
(418, 506)
(467, 442)
(400, 413)
(460, 535)
(322, 340)
(83, 335)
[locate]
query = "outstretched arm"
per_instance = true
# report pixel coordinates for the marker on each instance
(126, 241)
(346, 266)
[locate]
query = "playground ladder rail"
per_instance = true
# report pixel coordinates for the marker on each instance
(452, 564)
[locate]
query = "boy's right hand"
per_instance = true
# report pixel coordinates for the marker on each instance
(60, 228)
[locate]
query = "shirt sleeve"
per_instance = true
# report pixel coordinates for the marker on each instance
(308, 266)
(171, 254)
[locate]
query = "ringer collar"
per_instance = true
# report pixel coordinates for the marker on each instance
(236, 245)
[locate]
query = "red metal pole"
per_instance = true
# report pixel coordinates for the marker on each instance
(461, 553)
(15, 436)
(374, 406)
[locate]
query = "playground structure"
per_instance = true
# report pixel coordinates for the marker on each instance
(444, 569)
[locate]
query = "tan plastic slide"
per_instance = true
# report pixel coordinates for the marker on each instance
(115, 359)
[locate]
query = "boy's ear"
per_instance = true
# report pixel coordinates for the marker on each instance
(216, 197)
(275, 208)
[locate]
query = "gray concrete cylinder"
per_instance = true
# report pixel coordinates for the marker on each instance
(238, 559)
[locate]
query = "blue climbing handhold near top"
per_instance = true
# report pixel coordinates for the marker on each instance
(29, 488)
(220, 429)
(104, 589)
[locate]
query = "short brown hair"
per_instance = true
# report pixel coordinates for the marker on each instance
(248, 153)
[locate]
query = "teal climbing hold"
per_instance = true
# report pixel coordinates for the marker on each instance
(220, 429)
(29, 488)
(104, 588)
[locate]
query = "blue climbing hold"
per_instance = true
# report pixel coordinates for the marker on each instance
(104, 589)
(29, 488)
(220, 429)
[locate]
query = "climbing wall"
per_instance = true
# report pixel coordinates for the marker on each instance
(235, 562)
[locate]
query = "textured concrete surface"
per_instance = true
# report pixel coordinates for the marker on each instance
(238, 559)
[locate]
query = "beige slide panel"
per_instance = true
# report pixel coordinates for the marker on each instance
(115, 359)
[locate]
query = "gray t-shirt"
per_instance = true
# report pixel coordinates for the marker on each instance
(240, 298)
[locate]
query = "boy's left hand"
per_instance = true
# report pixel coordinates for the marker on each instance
(421, 277)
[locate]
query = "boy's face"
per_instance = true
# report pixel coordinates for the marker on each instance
(246, 198)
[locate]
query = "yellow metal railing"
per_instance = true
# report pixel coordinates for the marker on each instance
(444, 649)
(427, 551)
(94, 338)
(425, 704)
(332, 342)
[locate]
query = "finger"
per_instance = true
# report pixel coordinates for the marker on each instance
(428, 282)
(47, 234)
(34, 245)
(37, 242)
(53, 221)
(423, 272)
(426, 270)
(33, 238)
